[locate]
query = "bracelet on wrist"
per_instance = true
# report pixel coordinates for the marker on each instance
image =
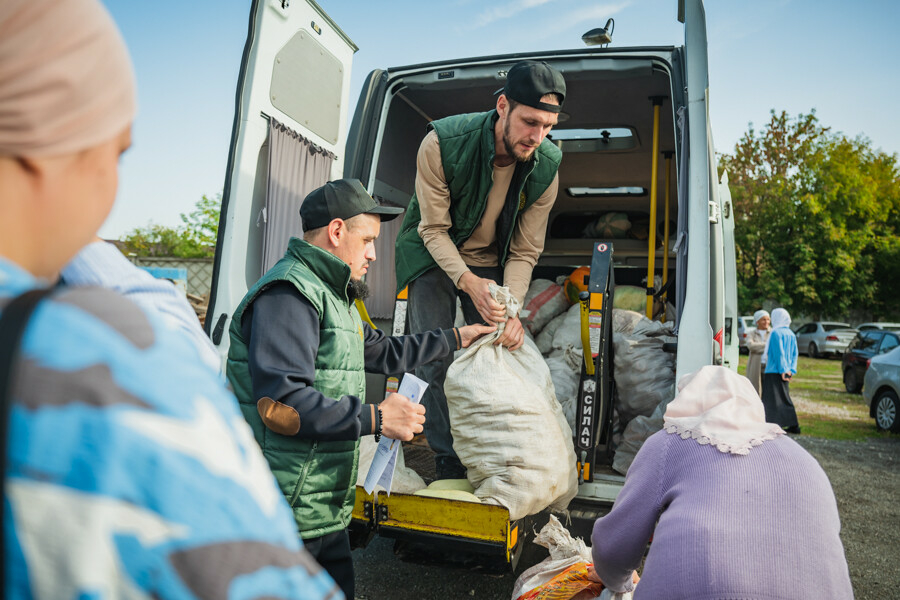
(378, 424)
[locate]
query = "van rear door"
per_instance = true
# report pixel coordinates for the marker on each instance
(695, 331)
(288, 137)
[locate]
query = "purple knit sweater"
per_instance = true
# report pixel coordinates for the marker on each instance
(762, 526)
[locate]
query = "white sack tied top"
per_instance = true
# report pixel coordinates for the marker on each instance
(718, 407)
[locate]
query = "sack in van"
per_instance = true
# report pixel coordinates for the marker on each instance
(643, 371)
(508, 429)
(544, 300)
(544, 340)
(636, 433)
(565, 372)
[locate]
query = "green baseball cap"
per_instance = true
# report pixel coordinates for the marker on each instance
(341, 199)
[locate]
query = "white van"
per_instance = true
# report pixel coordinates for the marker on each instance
(625, 105)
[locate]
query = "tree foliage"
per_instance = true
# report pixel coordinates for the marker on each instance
(817, 219)
(195, 238)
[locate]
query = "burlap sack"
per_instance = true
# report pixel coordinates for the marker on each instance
(508, 429)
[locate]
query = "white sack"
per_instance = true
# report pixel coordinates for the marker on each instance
(406, 481)
(565, 551)
(544, 340)
(543, 301)
(644, 373)
(508, 429)
(565, 372)
(636, 433)
(569, 333)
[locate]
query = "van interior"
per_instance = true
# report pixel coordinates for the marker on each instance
(607, 144)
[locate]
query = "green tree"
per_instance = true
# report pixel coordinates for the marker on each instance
(816, 219)
(196, 238)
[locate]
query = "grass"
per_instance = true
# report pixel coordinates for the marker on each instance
(825, 409)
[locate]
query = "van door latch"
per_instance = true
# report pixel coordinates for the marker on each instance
(714, 211)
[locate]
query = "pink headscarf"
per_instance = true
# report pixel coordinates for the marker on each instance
(66, 82)
(717, 406)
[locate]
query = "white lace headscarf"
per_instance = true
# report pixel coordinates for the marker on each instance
(716, 406)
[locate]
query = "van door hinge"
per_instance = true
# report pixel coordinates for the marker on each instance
(714, 212)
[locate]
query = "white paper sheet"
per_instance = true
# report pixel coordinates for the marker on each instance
(381, 472)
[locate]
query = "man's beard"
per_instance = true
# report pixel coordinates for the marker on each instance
(357, 290)
(511, 147)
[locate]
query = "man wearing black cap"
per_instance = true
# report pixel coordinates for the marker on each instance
(484, 188)
(297, 361)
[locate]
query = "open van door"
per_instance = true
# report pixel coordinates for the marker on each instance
(288, 138)
(695, 332)
(732, 350)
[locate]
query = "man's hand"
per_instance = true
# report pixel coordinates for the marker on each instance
(400, 418)
(786, 376)
(470, 333)
(513, 335)
(477, 289)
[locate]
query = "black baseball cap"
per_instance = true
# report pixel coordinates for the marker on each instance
(341, 199)
(530, 80)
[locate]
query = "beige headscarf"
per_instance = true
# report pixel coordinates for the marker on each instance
(717, 406)
(66, 82)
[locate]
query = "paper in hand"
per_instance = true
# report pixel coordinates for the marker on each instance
(381, 472)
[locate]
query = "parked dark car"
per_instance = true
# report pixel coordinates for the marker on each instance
(866, 345)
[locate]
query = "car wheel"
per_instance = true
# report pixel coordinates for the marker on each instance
(851, 381)
(886, 411)
(812, 351)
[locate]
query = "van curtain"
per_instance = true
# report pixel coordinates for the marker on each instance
(296, 167)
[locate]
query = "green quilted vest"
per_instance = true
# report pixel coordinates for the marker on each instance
(467, 156)
(318, 478)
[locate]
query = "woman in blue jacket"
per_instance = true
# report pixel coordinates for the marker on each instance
(781, 366)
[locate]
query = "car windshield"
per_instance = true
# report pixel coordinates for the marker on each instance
(833, 326)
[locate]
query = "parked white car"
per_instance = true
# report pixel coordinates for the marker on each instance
(879, 325)
(821, 338)
(881, 390)
(745, 326)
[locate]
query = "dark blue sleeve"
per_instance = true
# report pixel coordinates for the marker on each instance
(391, 355)
(283, 332)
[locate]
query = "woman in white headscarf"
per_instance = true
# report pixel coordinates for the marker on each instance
(781, 366)
(736, 509)
(756, 343)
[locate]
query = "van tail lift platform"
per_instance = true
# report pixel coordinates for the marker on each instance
(596, 387)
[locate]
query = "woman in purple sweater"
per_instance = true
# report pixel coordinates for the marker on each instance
(736, 509)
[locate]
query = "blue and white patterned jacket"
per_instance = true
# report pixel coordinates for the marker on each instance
(131, 472)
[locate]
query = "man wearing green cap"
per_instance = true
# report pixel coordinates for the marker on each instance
(485, 185)
(297, 361)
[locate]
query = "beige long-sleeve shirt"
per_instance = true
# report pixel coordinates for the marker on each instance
(480, 249)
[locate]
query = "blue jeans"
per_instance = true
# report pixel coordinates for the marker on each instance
(432, 305)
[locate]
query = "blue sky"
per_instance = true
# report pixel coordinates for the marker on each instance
(795, 55)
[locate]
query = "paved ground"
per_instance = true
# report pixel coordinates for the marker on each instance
(866, 480)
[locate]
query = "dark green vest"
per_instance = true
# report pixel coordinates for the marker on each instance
(467, 156)
(318, 478)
